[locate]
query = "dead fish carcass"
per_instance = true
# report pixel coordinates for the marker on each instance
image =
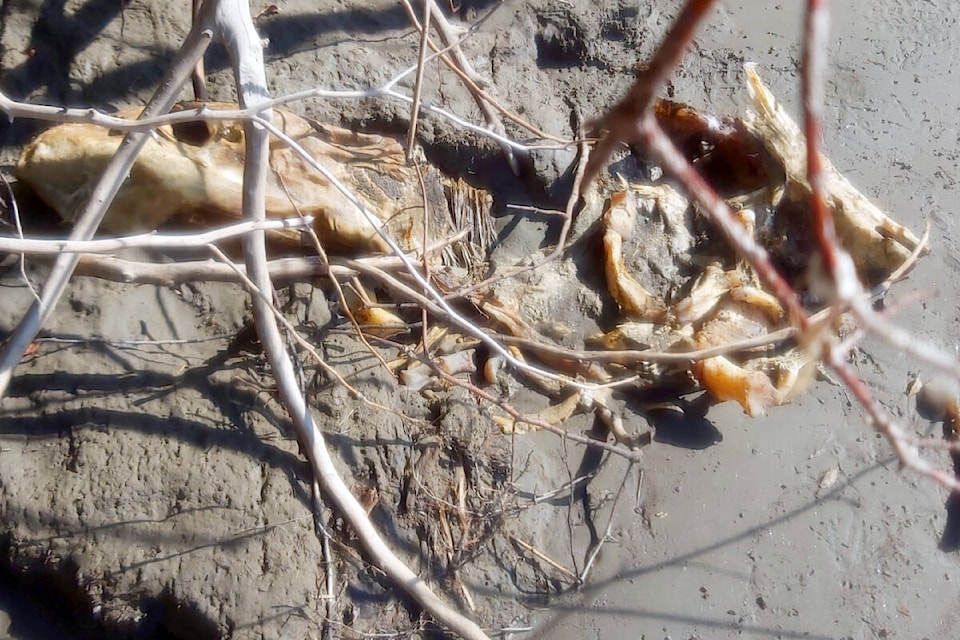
(707, 297)
(193, 171)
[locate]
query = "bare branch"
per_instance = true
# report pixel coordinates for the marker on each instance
(622, 120)
(243, 45)
(152, 240)
(103, 194)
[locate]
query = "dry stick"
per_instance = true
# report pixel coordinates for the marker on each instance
(60, 115)
(174, 273)
(816, 22)
(592, 556)
(842, 284)
(637, 357)
(102, 195)
(153, 240)
(935, 443)
(330, 569)
(242, 42)
(570, 485)
(574, 198)
(168, 274)
(471, 78)
(418, 82)
(903, 271)
(199, 75)
(424, 328)
(569, 511)
(542, 556)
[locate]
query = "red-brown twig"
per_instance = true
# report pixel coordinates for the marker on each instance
(903, 446)
(814, 63)
(622, 121)
(633, 119)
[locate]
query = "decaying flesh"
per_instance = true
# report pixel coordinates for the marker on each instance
(194, 172)
(635, 301)
(724, 302)
(676, 286)
(877, 243)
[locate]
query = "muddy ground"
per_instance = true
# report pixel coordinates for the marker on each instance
(157, 490)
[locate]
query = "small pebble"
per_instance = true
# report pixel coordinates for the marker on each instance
(934, 397)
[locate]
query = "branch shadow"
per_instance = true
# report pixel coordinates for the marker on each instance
(163, 613)
(194, 433)
(72, 613)
(560, 611)
(229, 399)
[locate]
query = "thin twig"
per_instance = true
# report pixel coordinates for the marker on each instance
(292, 331)
(595, 551)
(15, 213)
(344, 305)
(540, 555)
(453, 57)
(418, 81)
(152, 240)
(199, 74)
(816, 21)
(16, 109)
(904, 447)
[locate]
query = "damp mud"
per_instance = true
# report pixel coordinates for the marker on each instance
(151, 485)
